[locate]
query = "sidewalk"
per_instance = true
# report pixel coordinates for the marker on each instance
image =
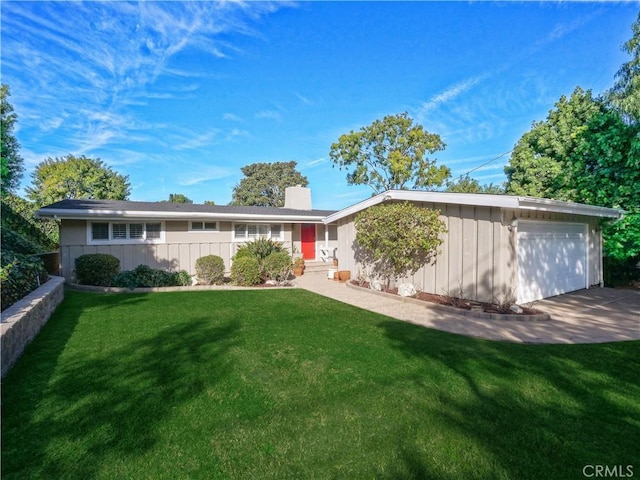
(615, 315)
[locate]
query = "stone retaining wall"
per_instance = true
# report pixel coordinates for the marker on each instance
(22, 321)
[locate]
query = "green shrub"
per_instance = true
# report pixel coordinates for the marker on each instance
(144, 276)
(210, 270)
(19, 275)
(96, 269)
(277, 266)
(18, 215)
(182, 278)
(245, 271)
(260, 248)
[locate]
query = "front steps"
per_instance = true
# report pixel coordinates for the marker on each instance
(317, 267)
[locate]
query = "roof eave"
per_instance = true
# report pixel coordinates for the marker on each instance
(73, 214)
(478, 199)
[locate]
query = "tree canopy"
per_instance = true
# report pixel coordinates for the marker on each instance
(466, 184)
(72, 176)
(179, 198)
(396, 239)
(389, 154)
(264, 184)
(11, 163)
(625, 93)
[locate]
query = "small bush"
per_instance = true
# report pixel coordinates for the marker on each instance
(260, 248)
(19, 275)
(96, 269)
(277, 266)
(144, 276)
(182, 278)
(245, 271)
(210, 270)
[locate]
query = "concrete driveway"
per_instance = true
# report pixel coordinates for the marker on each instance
(595, 315)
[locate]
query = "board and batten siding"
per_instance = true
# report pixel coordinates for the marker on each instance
(477, 258)
(179, 251)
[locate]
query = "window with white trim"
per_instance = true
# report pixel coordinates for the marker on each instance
(116, 232)
(250, 231)
(203, 226)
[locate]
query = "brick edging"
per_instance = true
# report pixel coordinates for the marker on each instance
(458, 311)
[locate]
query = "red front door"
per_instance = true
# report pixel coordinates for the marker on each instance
(308, 238)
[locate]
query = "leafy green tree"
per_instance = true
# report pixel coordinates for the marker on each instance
(397, 239)
(584, 152)
(209, 202)
(56, 179)
(625, 93)
(466, 184)
(537, 166)
(390, 154)
(179, 198)
(11, 163)
(264, 184)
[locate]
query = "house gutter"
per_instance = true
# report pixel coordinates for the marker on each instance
(73, 214)
(479, 200)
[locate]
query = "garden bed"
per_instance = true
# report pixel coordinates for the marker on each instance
(467, 307)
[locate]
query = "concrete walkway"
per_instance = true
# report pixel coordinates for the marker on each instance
(589, 316)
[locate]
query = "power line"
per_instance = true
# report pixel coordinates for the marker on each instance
(484, 164)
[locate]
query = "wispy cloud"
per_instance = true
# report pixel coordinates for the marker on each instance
(303, 99)
(449, 94)
(269, 115)
(205, 175)
(96, 61)
(231, 117)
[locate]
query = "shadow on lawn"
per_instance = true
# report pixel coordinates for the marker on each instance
(109, 404)
(538, 411)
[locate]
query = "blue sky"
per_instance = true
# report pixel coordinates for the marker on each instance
(181, 95)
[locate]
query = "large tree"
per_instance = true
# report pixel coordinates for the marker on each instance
(72, 176)
(397, 239)
(625, 93)
(587, 151)
(11, 168)
(390, 154)
(538, 163)
(264, 184)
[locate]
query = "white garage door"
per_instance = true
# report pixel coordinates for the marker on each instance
(552, 259)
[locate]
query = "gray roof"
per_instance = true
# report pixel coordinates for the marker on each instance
(76, 208)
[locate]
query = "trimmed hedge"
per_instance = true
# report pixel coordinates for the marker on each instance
(144, 276)
(210, 270)
(96, 269)
(245, 271)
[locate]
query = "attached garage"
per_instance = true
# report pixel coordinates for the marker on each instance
(552, 259)
(497, 247)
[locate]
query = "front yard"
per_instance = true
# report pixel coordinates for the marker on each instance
(288, 384)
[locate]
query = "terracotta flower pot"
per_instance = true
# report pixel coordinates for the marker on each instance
(298, 271)
(344, 275)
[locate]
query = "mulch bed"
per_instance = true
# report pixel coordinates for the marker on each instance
(457, 302)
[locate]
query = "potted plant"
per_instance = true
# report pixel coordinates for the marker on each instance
(298, 266)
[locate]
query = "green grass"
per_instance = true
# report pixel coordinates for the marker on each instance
(288, 384)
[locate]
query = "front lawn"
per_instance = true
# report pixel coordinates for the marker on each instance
(288, 384)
